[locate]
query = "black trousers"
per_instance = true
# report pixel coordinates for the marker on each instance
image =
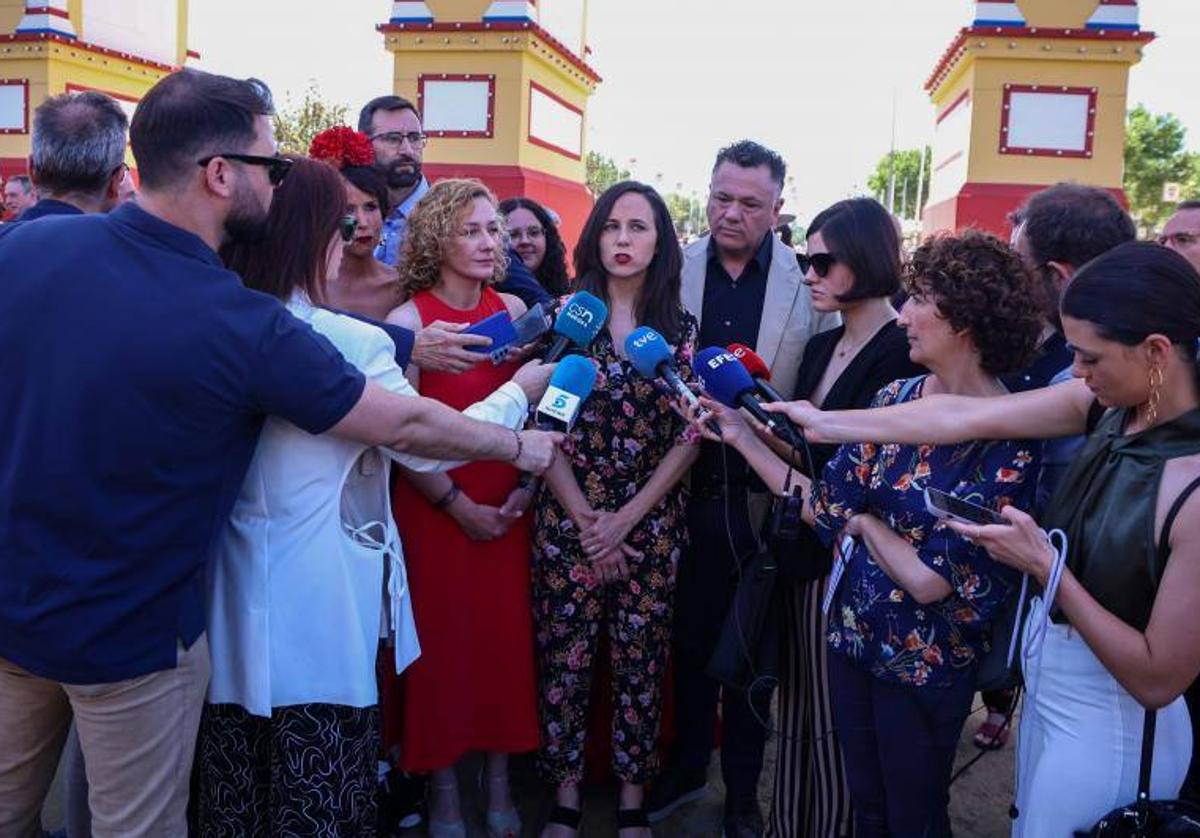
(708, 576)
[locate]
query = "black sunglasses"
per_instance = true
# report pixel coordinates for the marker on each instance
(819, 262)
(347, 227)
(277, 167)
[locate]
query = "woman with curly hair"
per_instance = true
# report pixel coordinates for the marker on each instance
(534, 236)
(472, 689)
(911, 599)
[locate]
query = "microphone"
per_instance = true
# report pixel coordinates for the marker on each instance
(728, 382)
(580, 320)
(758, 370)
(570, 385)
(652, 358)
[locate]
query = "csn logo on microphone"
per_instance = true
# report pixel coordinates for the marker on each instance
(559, 404)
(581, 314)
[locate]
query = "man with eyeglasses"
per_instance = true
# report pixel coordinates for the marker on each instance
(1182, 232)
(138, 374)
(77, 158)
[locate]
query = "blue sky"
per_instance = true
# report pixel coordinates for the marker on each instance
(813, 79)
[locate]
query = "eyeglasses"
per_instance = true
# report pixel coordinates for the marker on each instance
(277, 167)
(821, 263)
(521, 233)
(398, 138)
(347, 227)
(1180, 239)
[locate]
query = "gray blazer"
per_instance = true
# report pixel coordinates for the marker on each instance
(788, 320)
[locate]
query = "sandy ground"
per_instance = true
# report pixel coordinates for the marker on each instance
(979, 800)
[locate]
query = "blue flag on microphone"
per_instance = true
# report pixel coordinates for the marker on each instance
(724, 377)
(647, 351)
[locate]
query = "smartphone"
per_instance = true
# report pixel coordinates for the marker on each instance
(945, 505)
(499, 328)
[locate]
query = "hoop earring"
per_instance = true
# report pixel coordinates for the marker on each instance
(1156, 385)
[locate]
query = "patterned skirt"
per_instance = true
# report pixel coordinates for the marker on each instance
(310, 769)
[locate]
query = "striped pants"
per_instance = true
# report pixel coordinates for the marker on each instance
(811, 797)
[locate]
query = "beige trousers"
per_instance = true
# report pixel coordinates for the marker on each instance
(137, 736)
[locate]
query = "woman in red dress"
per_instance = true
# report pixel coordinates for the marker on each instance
(472, 689)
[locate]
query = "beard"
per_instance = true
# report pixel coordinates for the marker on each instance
(248, 219)
(402, 173)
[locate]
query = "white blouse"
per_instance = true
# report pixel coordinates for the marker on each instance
(309, 568)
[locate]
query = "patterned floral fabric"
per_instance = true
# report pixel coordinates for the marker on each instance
(310, 769)
(873, 621)
(625, 429)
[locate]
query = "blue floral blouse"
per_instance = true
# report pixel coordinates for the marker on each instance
(872, 620)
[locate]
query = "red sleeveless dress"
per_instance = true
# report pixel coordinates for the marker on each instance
(473, 687)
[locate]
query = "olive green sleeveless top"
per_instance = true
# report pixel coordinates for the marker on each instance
(1106, 505)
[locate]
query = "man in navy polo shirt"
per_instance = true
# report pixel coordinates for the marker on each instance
(137, 375)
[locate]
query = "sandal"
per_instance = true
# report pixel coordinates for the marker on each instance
(632, 819)
(991, 736)
(565, 816)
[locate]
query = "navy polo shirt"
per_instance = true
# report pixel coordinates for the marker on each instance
(137, 373)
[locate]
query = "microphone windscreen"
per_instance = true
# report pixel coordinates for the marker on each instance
(570, 385)
(723, 375)
(646, 350)
(581, 319)
(750, 359)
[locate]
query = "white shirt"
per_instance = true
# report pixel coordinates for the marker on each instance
(297, 592)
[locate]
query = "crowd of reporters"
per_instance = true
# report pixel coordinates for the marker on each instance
(204, 541)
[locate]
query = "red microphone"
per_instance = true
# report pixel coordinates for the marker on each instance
(758, 370)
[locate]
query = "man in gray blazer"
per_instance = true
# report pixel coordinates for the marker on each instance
(744, 286)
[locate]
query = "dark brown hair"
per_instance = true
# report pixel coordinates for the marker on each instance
(552, 273)
(860, 234)
(980, 285)
(305, 214)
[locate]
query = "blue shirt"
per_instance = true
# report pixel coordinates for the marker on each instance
(396, 224)
(137, 374)
(873, 620)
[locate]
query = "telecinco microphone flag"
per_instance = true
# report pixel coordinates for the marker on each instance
(727, 381)
(580, 320)
(570, 385)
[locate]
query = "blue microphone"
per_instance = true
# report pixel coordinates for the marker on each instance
(651, 356)
(570, 385)
(581, 319)
(727, 381)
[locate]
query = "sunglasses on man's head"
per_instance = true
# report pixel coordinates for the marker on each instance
(819, 262)
(277, 167)
(348, 226)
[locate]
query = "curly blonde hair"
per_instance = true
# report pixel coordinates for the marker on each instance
(434, 222)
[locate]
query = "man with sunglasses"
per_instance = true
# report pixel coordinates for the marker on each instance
(1182, 232)
(77, 157)
(745, 286)
(138, 374)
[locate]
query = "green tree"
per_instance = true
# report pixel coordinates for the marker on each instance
(602, 172)
(908, 169)
(1155, 154)
(686, 212)
(296, 125)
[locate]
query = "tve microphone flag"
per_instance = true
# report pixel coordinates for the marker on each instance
(580, 320)
(652, 358)
(758, 370)
(727, 381)
(570, 385)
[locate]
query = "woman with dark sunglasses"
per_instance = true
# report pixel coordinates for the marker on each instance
(852, 266)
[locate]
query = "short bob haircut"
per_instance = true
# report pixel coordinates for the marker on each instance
(1136, 290)
(434, 222)
(305, 215)
(659, 306)
(861, 235)
(552, 273)
(980, 285)
(368, 179)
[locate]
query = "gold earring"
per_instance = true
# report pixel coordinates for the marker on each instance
(1156, 384)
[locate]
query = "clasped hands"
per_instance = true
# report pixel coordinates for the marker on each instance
(602, 536)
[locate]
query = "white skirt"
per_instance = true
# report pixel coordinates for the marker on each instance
(1080, 740)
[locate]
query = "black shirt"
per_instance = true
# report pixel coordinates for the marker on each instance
(731, 313)
(1053, 357)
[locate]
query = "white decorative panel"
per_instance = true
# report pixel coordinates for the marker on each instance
(1057, 121)
(951, 147)
(145, 28)
(553, 123)
(14, 104)
(456, 105)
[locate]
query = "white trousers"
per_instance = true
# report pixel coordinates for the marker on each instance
(1080, 740)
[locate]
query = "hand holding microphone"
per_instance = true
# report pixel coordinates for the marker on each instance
(726, 379)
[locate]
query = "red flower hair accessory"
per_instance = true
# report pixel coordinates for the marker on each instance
(342, 146)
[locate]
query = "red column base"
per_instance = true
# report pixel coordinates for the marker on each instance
(572, 201)
(985, 206)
